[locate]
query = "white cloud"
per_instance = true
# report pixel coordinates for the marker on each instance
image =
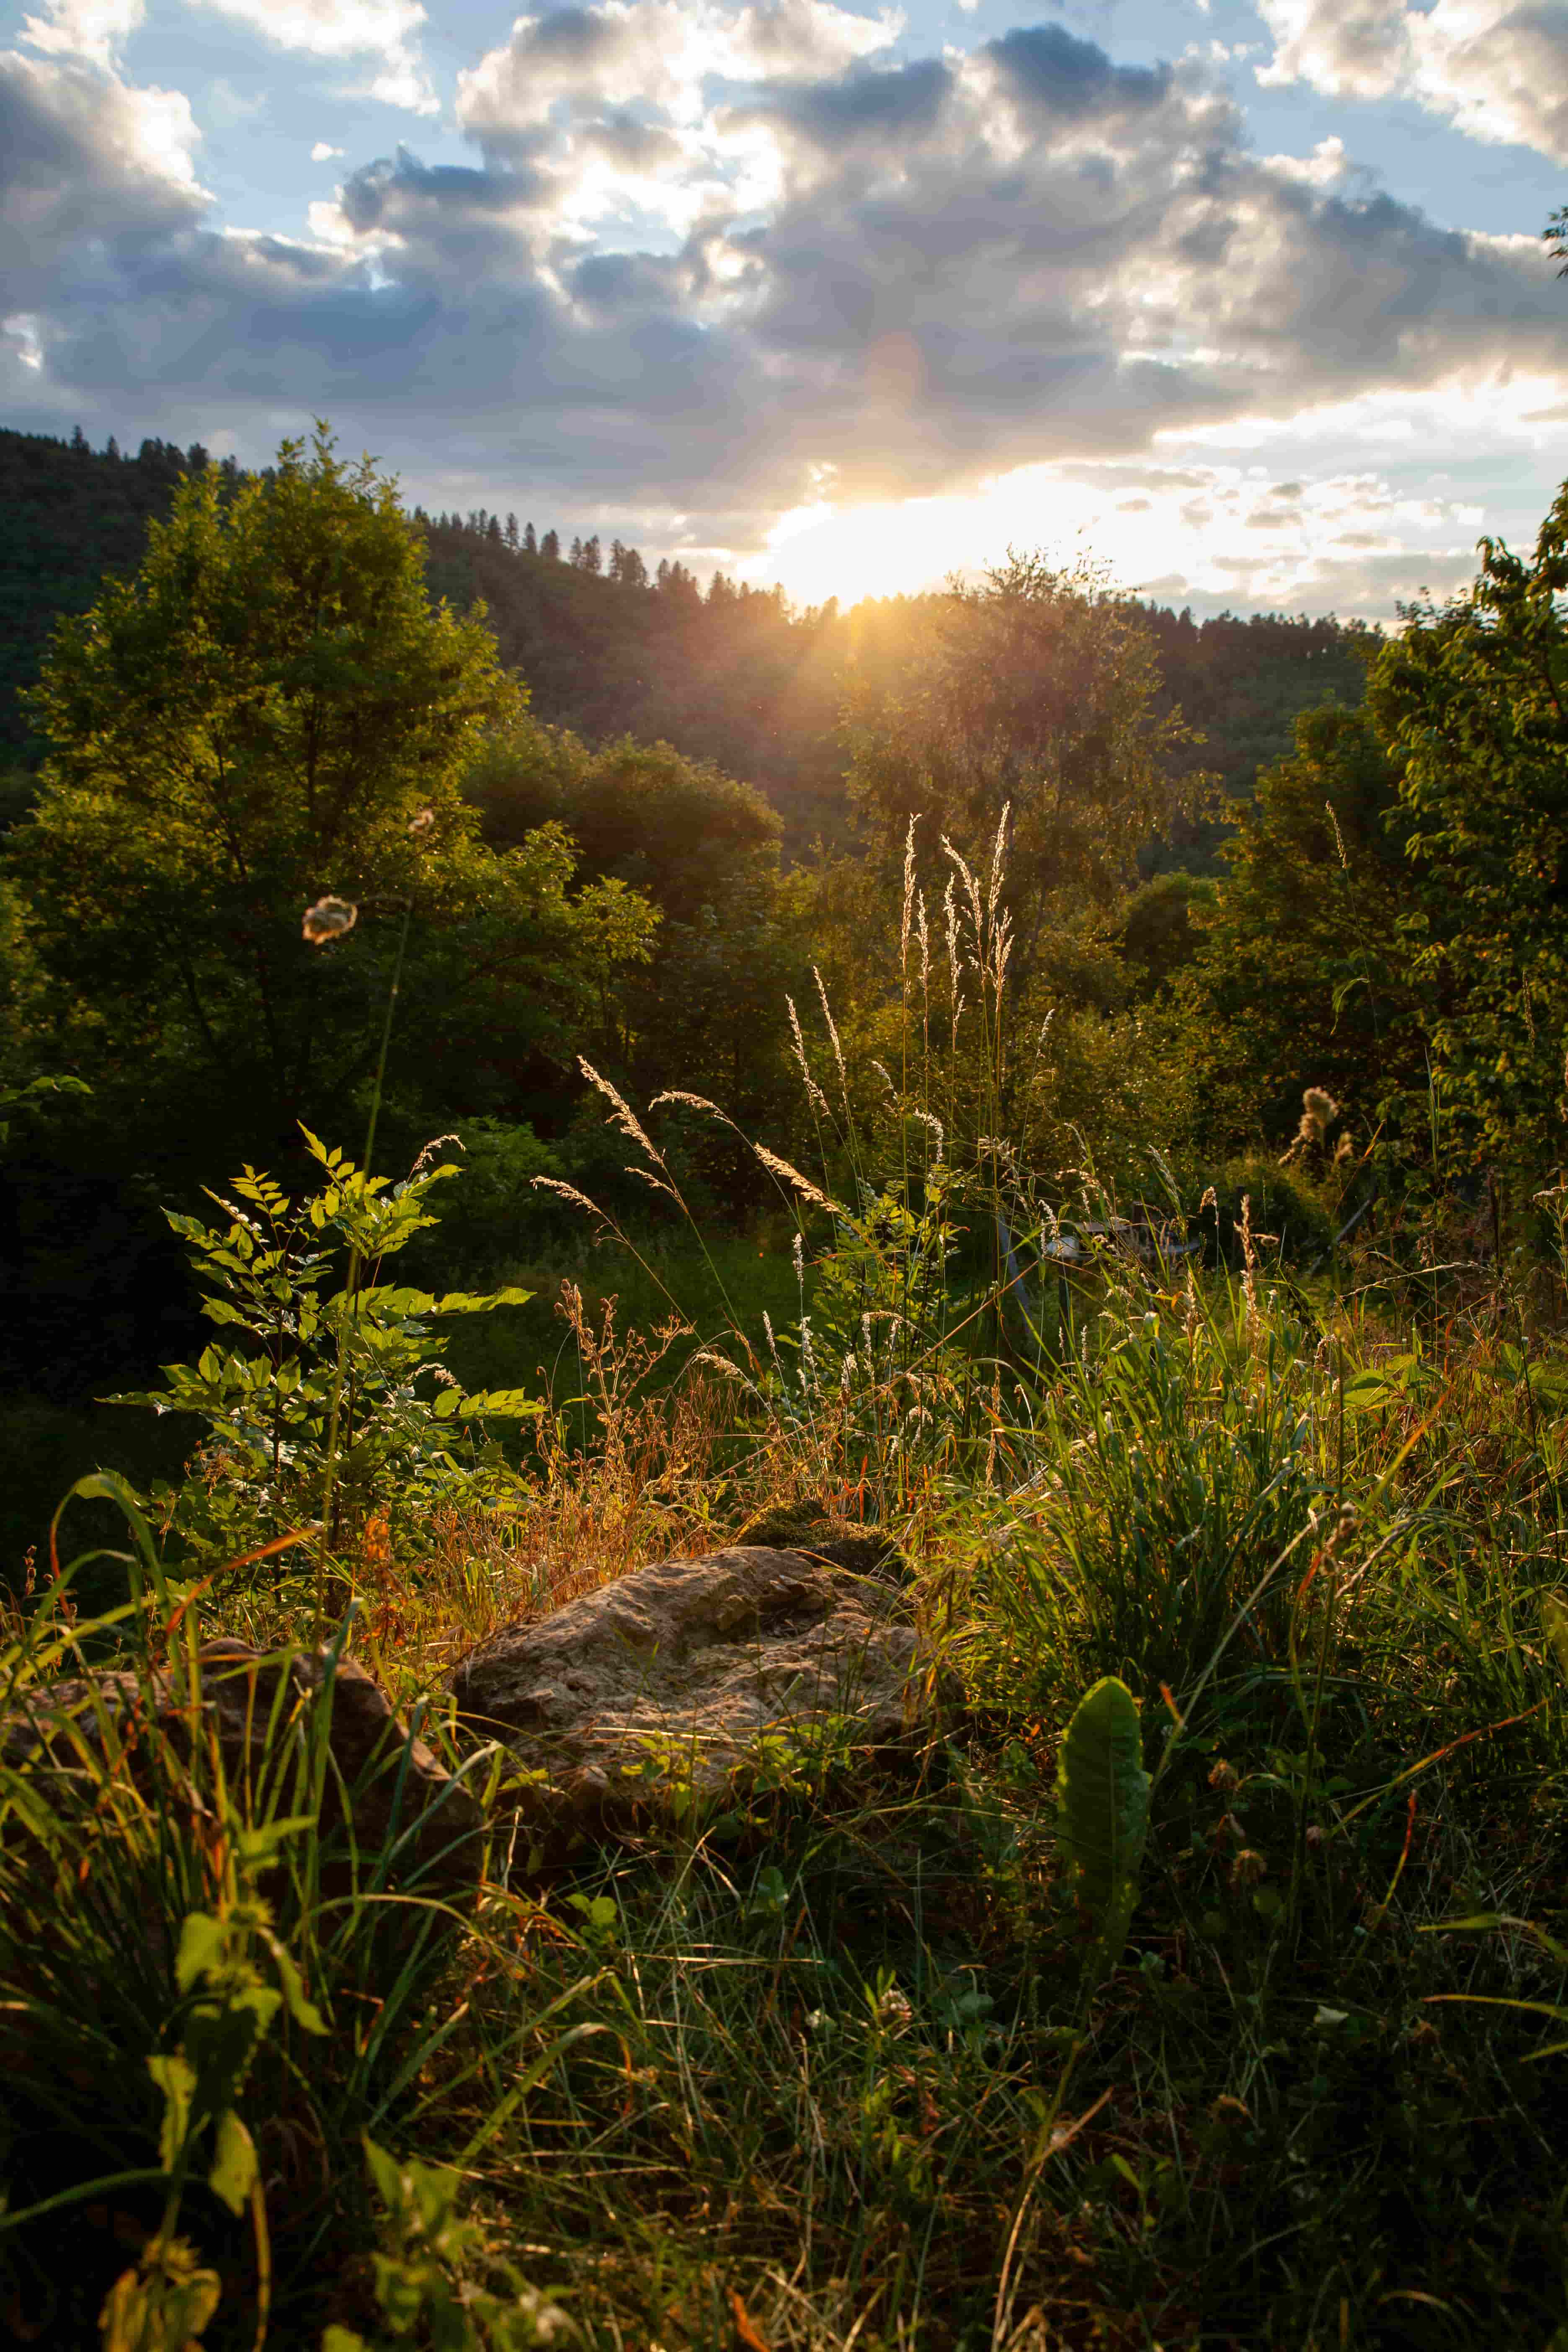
(324, 151)
(345, 29)
(94, 29)
(1025, 285)
(1497, 69)
(657, 53)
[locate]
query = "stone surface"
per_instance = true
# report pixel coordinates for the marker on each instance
(397, 1791)
(672, 1678)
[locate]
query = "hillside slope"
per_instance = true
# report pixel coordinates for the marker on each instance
(728, 674)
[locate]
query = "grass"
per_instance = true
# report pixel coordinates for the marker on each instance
(831, 2073)
(840, 2069)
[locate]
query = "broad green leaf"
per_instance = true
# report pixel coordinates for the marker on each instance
(203, 1942)
(176, 2078)
(234, 2167)
(1103, 1802)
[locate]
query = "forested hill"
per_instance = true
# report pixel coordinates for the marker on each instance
(723, 672)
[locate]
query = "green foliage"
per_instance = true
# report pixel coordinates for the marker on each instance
(1302, 977)
(1032, 693)
(331, 1400)
(1165, 1526)
(1155, 934)
(70, 517)
(1244, 684)
(186, 2009)
(1292, 1221)
(1102, 1793)
(421, 2301)
(705, 1006)
(1470, 698)
(271, 710)
(485, 1220)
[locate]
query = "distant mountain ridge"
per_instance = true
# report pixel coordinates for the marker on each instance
(730, 674)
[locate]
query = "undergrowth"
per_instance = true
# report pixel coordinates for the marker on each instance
(843, 2066)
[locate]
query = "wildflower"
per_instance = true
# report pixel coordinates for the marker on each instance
(1225, 1777)
(423, 823)
(329, 918)
(1248, 1868)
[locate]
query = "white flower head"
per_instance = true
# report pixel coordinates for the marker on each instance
(329, 918)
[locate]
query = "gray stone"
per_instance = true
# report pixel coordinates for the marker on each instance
(679, 1677)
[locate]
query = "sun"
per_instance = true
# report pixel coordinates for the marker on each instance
(903, 546)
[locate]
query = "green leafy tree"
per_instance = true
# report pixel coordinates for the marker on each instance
(1473, 700)
(269, 712)
(1034, 693)
(1301, 976)
(705, 1012)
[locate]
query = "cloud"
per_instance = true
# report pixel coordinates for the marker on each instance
(1497, 69)
(92, 172)
(728, 266)
(324, 151)
(384, 29)
(93, 29)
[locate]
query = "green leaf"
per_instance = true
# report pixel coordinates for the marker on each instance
(176, 2078)
(479, 1302)
(203, 1942)
(1103, 1801)
(302, 2009)
(108, 1486)
(235, 2168)
(502, 1401)
(258, 1847)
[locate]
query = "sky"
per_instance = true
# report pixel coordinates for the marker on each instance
(1247, 303)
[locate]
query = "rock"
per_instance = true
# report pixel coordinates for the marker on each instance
(398, 1794)
(822, 1534)
(669, 1679)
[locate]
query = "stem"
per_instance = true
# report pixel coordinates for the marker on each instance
(387, 1035)
(350, 1286)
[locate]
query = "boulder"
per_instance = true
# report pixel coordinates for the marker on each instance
(398, 1796)
(685, 1676)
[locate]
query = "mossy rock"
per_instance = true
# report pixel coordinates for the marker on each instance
(821, 1535)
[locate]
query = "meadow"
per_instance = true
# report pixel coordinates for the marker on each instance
(1215, 1452)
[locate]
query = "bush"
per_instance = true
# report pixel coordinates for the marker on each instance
(489, 1219)
(1291, 1221)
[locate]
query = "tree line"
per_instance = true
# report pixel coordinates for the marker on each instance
(725, 672)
